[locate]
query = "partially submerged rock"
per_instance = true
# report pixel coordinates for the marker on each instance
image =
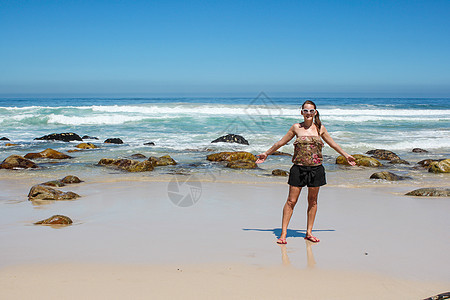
(55, 183)
(388, 176)
(419, 150)
(231, 156)
(66, 137)
(138, 155)
(231, 138)
(361, 160)
(399, 162)
(55, 220)
(279, 172)
(86, 137)
(11, 144)
(86, 146)
(48, 153)
(128, 164)
(164, 160)
(17, 162)
(241, 164)
(383, 154)
(442, 166)
(430, 192)
(113, 141)
(149, 144)
(426, 163)
(41, 192)
(4, 139)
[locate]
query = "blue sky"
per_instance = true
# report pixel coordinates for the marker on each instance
(230, 47)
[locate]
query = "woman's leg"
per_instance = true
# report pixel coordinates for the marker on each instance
(313, 192)
(288, 209)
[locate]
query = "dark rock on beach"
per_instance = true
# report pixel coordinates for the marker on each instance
(86, 137)
(66, 137)
(361, 160)
(430, 192)
(17, 162)
(69, 179)
(4, 139)
(113, 141)
(48, 153)
(241, 164)
(388, 176)
(55, 183)
(442, 166)
(127, 164)
(419, 150)
(164, 160)
(426, 163)
(149, 144)
(11, 144)
(55, 220)
(279, 172)
(86, 146)
(231, 138)
(41, 192)
(383, 154)
(231, 156)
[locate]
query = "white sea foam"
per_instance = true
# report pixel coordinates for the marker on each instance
(92, 120)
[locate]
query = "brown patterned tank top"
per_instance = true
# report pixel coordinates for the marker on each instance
(308, 151)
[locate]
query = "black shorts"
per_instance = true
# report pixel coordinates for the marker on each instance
(311, 176)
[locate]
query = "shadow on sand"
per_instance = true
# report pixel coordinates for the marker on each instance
(290, 232)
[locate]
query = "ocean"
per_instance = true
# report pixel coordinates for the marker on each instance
(185, 127)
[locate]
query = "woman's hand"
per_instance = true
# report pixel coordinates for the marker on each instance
(351, 160)
(261, 158)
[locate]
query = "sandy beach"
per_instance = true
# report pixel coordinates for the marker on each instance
(129, 238)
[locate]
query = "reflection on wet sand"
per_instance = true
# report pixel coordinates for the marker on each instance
(310, 261)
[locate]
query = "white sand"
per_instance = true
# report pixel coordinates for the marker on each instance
(130, 239)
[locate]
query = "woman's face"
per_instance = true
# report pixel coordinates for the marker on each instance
(308, 111)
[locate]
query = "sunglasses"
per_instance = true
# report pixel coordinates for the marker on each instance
(311, 111)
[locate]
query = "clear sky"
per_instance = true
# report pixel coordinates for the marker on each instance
(232, 47)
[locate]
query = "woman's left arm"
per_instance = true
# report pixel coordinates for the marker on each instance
(327, 138)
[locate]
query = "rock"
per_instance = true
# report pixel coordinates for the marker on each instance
(128, 164)
(399, 162)
(10, 144)
(48, 153)
(162, 161)
(73, 150)
(86, 137)
(69, 179)
(55, 220)
(383, 154)
(442, 166)
(231, 156)
(430, 192)
(231, 138)
(388, 176)
(279, 172)
(281, 153)
(426, 163)
(4, 139)
(113, 141)
(41, 192)
(149, 144)
(17, 162)
(66, 137)
(138, 155)
(86, 146)
(241, 164)
(419, 150)
(361, 160)
(55, 183)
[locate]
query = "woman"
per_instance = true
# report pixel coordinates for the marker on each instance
(307, 169)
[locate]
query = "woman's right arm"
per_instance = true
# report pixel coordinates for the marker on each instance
(288, 136)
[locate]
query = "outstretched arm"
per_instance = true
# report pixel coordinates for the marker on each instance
(289, 135)
(327, 138)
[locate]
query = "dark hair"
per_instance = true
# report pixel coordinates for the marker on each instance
(316, 117)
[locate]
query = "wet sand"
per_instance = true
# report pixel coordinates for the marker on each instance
(129, 238)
